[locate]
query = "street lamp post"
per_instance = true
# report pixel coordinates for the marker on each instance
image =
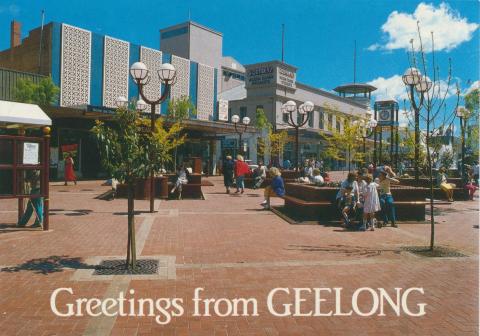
(462, 113)
(304, 111)
(415, 82)
(140, 75)
(366, 132)
(239, 130)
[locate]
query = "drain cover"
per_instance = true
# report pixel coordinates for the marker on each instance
(118, 267)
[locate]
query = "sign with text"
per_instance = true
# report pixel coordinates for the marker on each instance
(270, 74)
(223, 110)
(30, 153)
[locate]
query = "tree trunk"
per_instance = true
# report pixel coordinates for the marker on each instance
(131, 253)
(429, 162)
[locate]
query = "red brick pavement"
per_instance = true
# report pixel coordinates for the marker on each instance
(226, 245)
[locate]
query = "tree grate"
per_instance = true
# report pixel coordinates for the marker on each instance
(438, 252)
(119, 267)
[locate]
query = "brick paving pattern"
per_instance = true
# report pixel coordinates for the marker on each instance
(229, 246)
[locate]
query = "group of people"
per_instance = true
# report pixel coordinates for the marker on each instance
(236, 170)
(365, 193)
(470, 181)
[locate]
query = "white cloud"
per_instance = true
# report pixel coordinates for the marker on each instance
(475, 85)
(393, 87)
(405, 118)
(448, 27)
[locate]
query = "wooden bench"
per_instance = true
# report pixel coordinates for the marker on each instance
(193, 189)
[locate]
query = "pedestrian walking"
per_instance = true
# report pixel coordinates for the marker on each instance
(35, 202)
(69, 170)
(241, 169)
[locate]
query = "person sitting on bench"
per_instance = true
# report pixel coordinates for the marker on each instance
(347, 204)
(182, 178)
(276, 189)
(260, 175)
(444, 185)
(35, 202)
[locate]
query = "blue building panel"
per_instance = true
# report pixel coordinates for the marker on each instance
(193, 84)
(96, 72)
(56, 54)
(134, 57)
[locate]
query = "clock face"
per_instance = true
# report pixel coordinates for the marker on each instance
(384, 115)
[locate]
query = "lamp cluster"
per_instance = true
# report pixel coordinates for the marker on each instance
(140, 74)
(413, 77)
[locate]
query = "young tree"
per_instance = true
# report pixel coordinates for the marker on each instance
(125, 146)
(44, 93)
(472, 104)
(178, 111)
(344, 146)
(262, 124)
(431, 95)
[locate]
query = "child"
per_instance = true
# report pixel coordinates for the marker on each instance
(371, 203)
(348, 205)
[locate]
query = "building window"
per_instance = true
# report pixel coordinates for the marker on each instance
(286, 117)
(229, 114)
(310, 119)
(321, 120)
(338, 125)
(330, 122)
(243, 112)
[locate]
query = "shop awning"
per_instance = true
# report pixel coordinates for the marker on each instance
(14, 115)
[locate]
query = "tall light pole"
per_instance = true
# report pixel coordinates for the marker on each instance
(239, 130)
(140, 75)
(367, 130)
(304, 112)
(462, 114)
(417, 85)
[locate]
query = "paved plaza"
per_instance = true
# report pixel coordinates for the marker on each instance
(230, 247)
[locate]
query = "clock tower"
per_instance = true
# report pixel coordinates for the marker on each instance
(386, 115)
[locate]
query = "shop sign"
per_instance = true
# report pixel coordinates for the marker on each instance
(223, 110)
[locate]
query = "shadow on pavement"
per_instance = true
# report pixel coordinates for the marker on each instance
(344, 249)
(49, 265)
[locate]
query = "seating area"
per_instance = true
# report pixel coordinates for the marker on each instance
(305, 202)
(459, 192)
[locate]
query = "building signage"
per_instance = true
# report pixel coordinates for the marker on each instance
(30, 153)
(271, 74)
(286, 78)
(223, 110)
(262, 75)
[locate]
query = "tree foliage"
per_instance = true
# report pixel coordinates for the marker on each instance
(129, 151)
(344, 146)
(44, 93)
(180, 109)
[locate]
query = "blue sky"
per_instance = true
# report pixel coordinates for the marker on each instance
(319, 34)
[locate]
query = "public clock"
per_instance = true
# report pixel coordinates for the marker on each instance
(384, 115)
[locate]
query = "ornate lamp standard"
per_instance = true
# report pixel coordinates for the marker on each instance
(304, 111)
(462, 114)
(415, 82)
(367, 130)
(140, 75)
(239, 130)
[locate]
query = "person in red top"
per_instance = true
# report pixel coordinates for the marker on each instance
(241, 168)
(69, 173)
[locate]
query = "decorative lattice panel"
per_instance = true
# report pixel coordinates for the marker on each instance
(75, 66)
(205, 92)
(182, 86)
(115, 70)
(152, 59)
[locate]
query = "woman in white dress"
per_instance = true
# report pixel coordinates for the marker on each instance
(371, 203)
